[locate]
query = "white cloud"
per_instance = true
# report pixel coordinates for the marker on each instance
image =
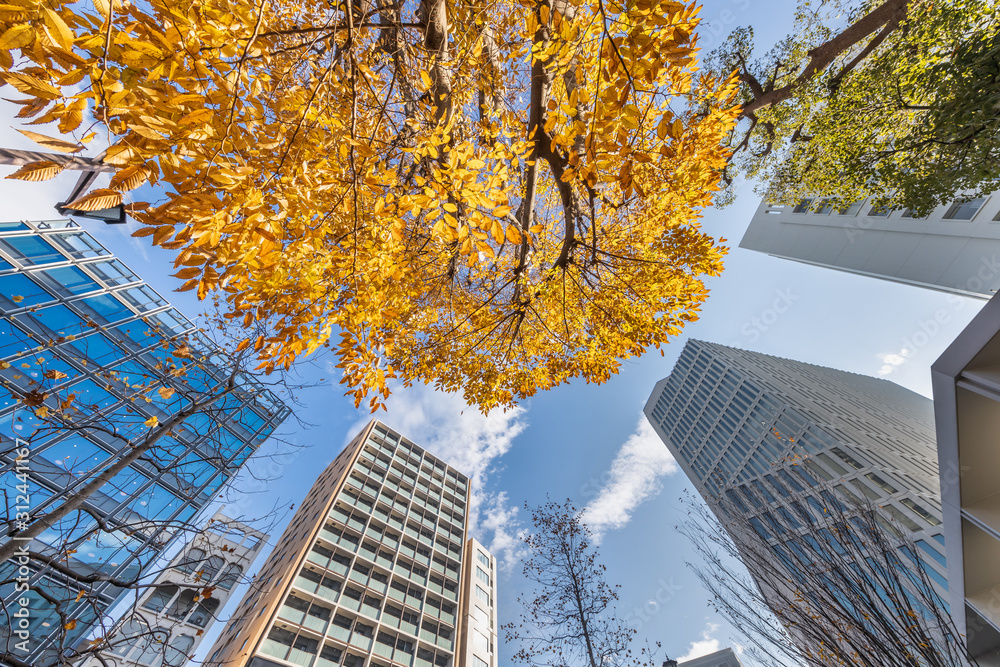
(892, 361)
(635, 477)
(470, 442)
(704, 646)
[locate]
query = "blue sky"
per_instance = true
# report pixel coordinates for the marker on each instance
(586, 442)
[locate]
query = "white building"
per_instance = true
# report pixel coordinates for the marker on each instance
(723, 658)
(966, 382)
(478, 640)
(955, 249)
(181, 604)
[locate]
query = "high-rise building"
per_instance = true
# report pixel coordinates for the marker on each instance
(80, 330)
(757, 431)
(173, 614)
(724, 658)
(371, 570)
(967, 411)
(478, 630)
(955, 249)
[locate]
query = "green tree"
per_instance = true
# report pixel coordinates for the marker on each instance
(901, 105)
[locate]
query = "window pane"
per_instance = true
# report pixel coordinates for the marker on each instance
(79, 244)
(31, 250)
(965, 210)
(67, 280)
(19, 291)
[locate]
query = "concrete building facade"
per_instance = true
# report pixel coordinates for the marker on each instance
(172, 615)
(966, 380)
(724, 658)
(955, 249)
(369, 573)
(478, 629)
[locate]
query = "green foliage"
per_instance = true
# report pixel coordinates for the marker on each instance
(908, 115)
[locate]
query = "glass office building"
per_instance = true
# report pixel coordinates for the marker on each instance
(769, 435)
(81, 335)
(371, 571)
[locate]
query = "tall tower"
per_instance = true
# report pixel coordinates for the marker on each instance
(370, 571)
(78, 328)
(478, 636)
(765, 431)
(955, 249)
(171, 620)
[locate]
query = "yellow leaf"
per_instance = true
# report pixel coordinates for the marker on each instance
(501, 211)
(52, 143)
(166, 392)
(96, 200)
(104, 7)
(42, 411)
(17, 37)
(60, 30)
(513, 234)
(79, 596)
(129, 178)
(17, 298)
(37, 171)
(152, 422)
(55, 375)
(72, 624)
(30, 85)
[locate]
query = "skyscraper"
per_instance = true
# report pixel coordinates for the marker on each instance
(765, 433)
(172, 614)
(478, 633)
(370, 571)
(955, 249)
(92, 359)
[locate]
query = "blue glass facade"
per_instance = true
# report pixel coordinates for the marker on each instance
(81, 333)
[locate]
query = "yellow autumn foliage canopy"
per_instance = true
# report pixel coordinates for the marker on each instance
(492, 196)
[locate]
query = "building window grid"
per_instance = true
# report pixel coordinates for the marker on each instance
(421, 610)
(90, 372)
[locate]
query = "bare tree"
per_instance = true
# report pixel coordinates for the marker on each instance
(168, 419)
(835, 582)
(569, 619)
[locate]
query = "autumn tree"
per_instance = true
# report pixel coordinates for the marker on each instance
(834, 583)
(890, 99)
(494, 196)
(569, 619)
(173, 413)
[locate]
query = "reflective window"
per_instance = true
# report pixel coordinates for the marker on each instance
(12, 340)
(143, 298)
(94, 350)
(31, 250)
(68, 280)
(161, 597)
(60, 320)
(113, 273)
(176, 653)
(76, 455)
(80, 245)
(20, 291)
(965, 210)
(104, 308)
